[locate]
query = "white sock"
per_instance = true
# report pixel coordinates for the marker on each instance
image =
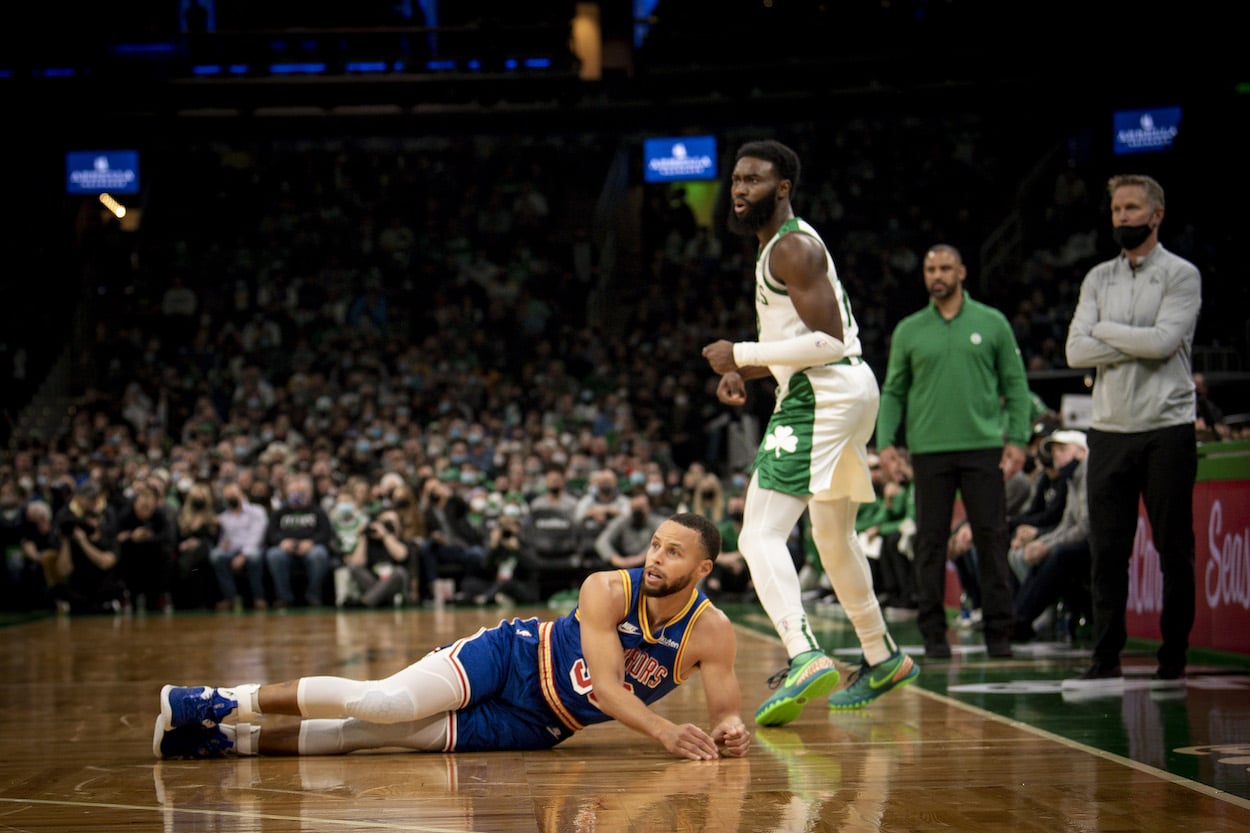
(248, 698)
(244, 736)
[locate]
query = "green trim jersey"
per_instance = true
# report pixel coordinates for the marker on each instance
(776, 318)
(816, 440)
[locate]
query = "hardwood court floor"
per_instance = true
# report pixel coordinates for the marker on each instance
(976, 745)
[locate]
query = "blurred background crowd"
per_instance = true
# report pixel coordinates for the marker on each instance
(344, 366)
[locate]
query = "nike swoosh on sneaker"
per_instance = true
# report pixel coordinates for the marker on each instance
(878, 682)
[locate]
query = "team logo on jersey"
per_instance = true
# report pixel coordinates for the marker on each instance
(975, 338)
(781, 439)
(629, 628)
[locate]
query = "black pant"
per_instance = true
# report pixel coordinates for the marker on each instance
(1157, 469)
(1060, 575)
(978, 479)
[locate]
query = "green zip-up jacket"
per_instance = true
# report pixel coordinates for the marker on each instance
(954, 385)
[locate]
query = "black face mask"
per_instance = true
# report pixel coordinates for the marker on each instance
(234, 503)
(1130, 237)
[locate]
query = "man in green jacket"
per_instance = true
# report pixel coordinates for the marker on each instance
(954, 378)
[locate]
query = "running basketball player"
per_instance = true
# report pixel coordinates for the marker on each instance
(814, 454)
(524, 684)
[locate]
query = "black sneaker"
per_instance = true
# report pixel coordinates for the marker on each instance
(1108, 677)
(935, 649)
(998, 647)
(1168, 677)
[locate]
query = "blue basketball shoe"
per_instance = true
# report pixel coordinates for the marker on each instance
(194, 706)
(189, 741)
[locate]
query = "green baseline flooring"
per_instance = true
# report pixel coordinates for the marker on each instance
(1201, 732)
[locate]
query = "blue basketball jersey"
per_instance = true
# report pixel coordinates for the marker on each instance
(652, 659)
(527, 686)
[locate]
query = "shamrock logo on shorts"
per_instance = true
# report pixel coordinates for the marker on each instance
(781, 439)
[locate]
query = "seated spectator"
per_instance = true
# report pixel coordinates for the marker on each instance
(556, 494)
(299, 537)
(146, 537)
(240, 548)
(885, 528)
(349, 516)
(509, 556)
(1054, 564)
(602, 502)
(1042, 509)
(12, 522)
(84, 577)
(553, 555)
(454, 547)
(624, 542)
(730, 576)
(37, 546)
(708, 498)
(1209, 424)
(412, 529)
(378, 564)
(198, 530)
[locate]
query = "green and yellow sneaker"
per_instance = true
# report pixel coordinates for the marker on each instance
(868, 682)
(810, 674)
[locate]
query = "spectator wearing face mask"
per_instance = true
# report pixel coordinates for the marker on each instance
(709, 498)
(624, 542)
(198, 530)
(455, 547)
(378, 565)
(146, 540)
(299, 538)
(240, 548)
(556, 495)
(602, 503)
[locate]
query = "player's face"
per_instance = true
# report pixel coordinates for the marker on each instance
(753, 189)
(943, 274)
(675, 560)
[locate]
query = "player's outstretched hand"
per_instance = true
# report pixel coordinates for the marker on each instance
(733, 738)
(689, 741)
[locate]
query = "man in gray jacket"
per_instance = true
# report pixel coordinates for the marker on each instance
(1053, 564)
(1134, 323)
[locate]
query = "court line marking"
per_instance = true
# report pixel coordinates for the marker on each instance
(1180, 780)
(1197, 786)
(349, 823)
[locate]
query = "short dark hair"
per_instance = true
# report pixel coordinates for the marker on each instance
(707, 530)
(785, 160)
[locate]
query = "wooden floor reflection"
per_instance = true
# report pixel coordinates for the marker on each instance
(80, 700)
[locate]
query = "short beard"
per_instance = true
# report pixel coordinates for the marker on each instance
(665, 590)
(759, 214)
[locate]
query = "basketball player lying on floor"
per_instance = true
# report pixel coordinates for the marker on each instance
(524, 684)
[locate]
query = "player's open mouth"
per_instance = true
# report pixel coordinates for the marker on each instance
(652, 577)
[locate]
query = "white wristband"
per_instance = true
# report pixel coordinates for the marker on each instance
(806, 350)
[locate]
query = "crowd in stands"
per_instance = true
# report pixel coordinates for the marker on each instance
(336, 373)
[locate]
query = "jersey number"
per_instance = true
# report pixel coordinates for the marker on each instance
(580, 678)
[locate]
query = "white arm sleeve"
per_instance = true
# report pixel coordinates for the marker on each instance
(807, 350)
